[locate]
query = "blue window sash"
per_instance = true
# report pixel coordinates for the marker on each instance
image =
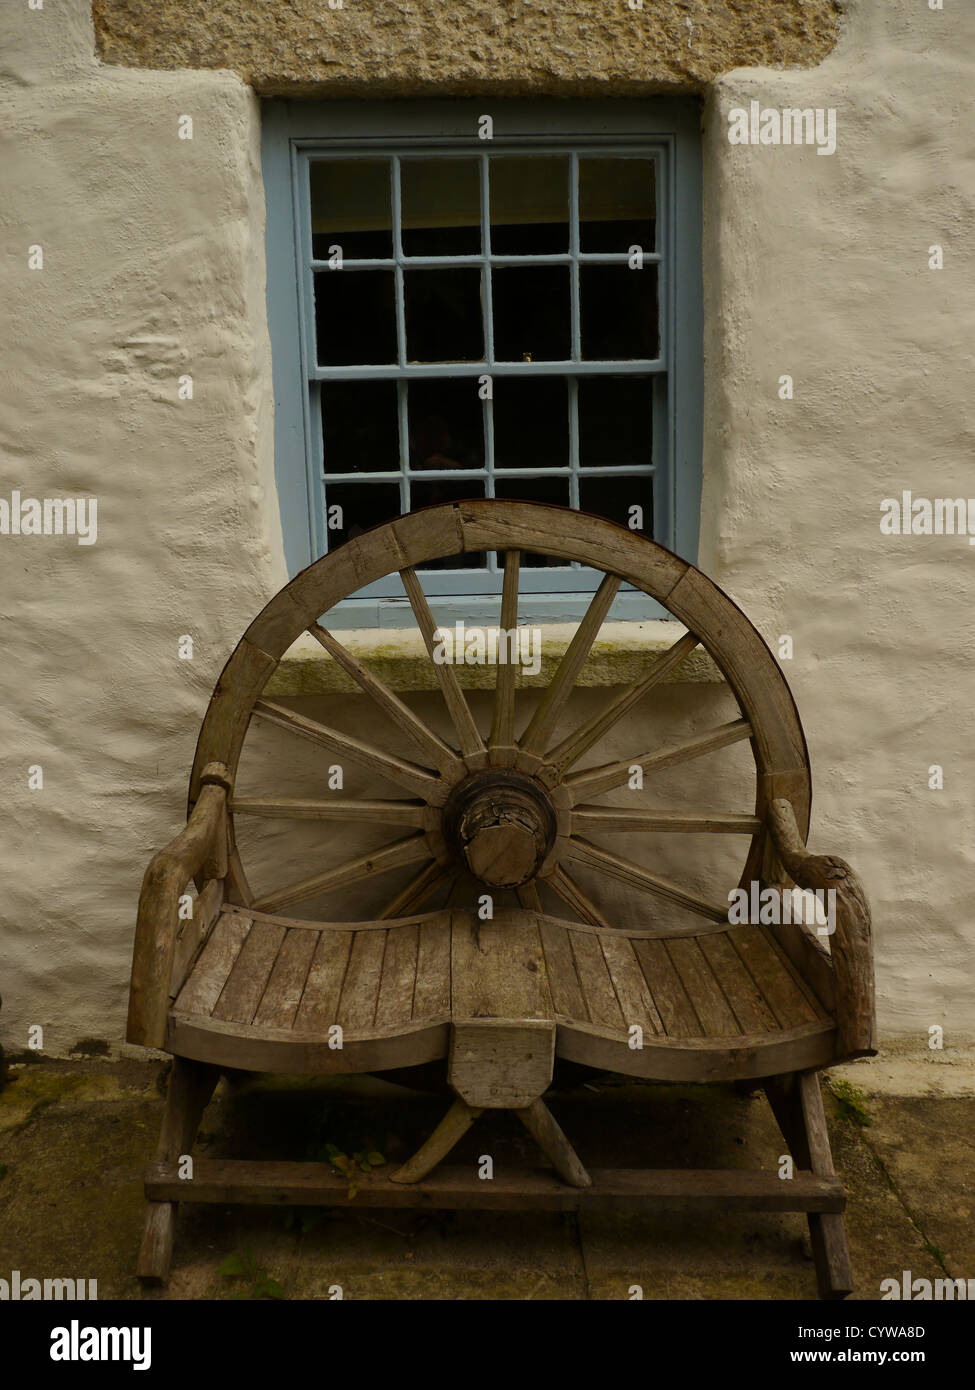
(668, 130)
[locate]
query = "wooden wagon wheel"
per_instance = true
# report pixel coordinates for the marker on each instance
(511, 810)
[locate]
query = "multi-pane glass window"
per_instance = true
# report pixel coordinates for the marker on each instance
(486, 318)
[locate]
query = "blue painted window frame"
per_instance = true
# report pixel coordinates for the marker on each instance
(666, 129)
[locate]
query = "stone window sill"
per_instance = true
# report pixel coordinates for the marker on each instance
(622, 655)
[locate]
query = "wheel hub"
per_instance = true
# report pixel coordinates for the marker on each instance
(501, 824)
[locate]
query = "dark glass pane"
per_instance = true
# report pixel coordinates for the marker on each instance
(555, 491)
(350, 208)
(615, 420)
(446, 424)
(441, 207)
(618, 312)
(531, 422)
(529, 205)
(361, 506)
(623, 500)
(531, 313)
(359, 427)
(437, 491)
(617, 204)
(355, 317)
(443, 315)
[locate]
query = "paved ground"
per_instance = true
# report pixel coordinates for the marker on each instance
(74, 1137)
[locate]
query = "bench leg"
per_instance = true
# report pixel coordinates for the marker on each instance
(548, 1135)
(191, 1084)
(797, 1104)
(448, 1132)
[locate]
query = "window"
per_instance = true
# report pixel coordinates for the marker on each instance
(453, 316)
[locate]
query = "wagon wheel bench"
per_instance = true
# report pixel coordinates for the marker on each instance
(244, 987)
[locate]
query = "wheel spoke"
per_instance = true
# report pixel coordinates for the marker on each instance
(573, 747)
(502, 724)
(596, 820)
(408, 851)
(527, 895)
(543, 721)
(441, 754)
(570, 892)
(626, 871)
(595, 780)
(416, 891)
(419, 780)
(460, 714)
(299, 808)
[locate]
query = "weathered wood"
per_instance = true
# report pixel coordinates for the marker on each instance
(502, 720)
(193, 931)
(304, 808)
(583, 738)
(498, 968)
(675, 1009)
(595, 980)
(704, 992)
(249, 976)
(418, 780)
(570, 892)
(457, 706)
(280, 1000)
(584, 852)
(501, 1064)
(190, 1087)
(547, 711)
(851, 945)
(319, 1005)
(208, 977)
(787, 1002)
(458, 1188)
(416, 891)
(607, 820)
(431, 997)
(360, 989)
(411, 850)
(544, 1129)
(394, 1006)
(747, 1002)
(156, 925)
(634, 995)
(432, 745)
(596, 780)
(451, 1128)
(563, 979)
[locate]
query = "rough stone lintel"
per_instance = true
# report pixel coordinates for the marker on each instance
(467, 47)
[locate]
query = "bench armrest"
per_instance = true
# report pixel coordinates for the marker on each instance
(851, 947)
(199, 849)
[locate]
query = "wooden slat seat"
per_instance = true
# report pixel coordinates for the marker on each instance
(267, 993)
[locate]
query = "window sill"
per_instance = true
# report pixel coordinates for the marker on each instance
(622, 654)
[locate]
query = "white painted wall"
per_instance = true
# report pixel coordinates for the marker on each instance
(153, 249)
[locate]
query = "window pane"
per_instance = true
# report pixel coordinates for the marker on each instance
(441, 203)
(446, 424)
(355, 317)
(359, 427)
(618, 312)
(531, 313)
(443, 315)
(616, 498)
(615, 420)
(617, 204)
(531, 422)
(436, 491)
(529, 205)
(555, 491)
(350, 208)
(363, 505)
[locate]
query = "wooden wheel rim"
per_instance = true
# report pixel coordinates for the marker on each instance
(737, 648)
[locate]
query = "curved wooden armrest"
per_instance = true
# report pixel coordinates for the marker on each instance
(199, 848)
(851, 947)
